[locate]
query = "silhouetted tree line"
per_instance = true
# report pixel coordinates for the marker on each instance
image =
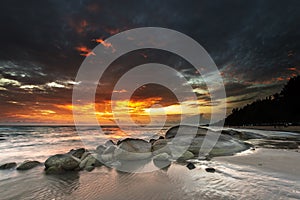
(279, 109)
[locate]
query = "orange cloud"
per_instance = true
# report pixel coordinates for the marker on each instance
(280, 79)
(292, 69)
(84, 51)
(112, 31)
(79, 26)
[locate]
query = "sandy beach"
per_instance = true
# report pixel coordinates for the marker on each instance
(285, 162)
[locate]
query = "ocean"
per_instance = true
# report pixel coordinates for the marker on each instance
(19, 143)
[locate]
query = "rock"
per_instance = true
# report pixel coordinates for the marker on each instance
(162, 160)
(8, 165)
(185, 130)
(109, 150)
(161, 137)
(89, 168)
(100, 149)
(133, 149)
(28, 164)
(90, 161)
(106, 158)
(108, 155)
(152, 141)
(210, 170)
(54, 170)
(160, 146)
(185, 156)
(84, 155)
(190, 166)
(162, 157)
(64, 161)
(109, 143)
(77, 153)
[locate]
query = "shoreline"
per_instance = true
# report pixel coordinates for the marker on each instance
(280, 161)
(295, 129)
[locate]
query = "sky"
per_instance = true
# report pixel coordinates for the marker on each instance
(255, 45)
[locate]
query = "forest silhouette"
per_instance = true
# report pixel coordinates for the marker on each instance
(282, 108)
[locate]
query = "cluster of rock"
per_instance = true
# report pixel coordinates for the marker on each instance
(180, 146)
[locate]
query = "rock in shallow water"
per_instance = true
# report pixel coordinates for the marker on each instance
(8, 165)
(63, 161)
(192, 137)
(77, 152)
(162, 157)
(54, 170)
(28, 164)
(185, 156)
(90, 162)
(133, 149)
(184, 130)
(210, 170)
(160, 146)
(190, 166)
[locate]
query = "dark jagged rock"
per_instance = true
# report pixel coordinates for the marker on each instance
(77, 152)
(210, 170)
(28, 164)
(190, 166)
(8, 165)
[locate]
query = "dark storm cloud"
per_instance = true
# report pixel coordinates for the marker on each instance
(252, 42)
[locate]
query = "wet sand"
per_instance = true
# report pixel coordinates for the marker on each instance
(281, 161)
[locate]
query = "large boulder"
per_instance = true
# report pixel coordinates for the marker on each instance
(184, 130)
(133, 149)
(28, 164)
(63, 161)
(216, 144)
(8, 165)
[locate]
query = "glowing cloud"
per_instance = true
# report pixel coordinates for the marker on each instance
(6, 81)
(55, 85)
(84, 51)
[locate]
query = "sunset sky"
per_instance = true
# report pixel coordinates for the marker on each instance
(255, 45)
